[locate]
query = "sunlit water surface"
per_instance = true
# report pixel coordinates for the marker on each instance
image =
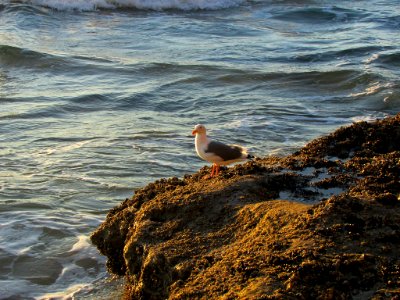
(98, 98)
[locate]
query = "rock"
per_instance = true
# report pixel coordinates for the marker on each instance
(387, 199)
(234, 237)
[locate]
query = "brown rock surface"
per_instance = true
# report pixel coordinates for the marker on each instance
(233, 237)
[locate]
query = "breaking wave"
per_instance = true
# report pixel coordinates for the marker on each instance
(89, 5)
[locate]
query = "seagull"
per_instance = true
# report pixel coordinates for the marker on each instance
(215, 152)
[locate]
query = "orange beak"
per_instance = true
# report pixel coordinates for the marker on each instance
(194, 132)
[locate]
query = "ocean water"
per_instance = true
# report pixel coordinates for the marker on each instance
(99, 97)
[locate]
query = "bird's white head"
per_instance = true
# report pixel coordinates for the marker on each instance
(199, 129)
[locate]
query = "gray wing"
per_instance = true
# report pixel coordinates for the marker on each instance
(226, 152)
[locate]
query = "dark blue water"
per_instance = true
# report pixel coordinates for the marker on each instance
(99, 97)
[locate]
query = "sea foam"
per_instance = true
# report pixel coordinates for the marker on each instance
(89, 5)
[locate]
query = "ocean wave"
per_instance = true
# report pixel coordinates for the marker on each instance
(90, 5)
(8, 54)
(389, 59)
(12, 56)
(374, 88)
(30, 244)
(389, 22)
(17, 57)
(338, 79)
(64, 108)
(327, 56)
(194, 73)
(320, 15)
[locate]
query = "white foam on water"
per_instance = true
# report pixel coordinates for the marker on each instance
(61, 256)
(368, 117)
(82, 243)
(62, 149)
(90, 5)
(18, 237)
(68, 294)
(372, 58)
(81, 262)
(372, 89)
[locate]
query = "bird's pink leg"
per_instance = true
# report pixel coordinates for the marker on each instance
(213, 170)
(216, 170)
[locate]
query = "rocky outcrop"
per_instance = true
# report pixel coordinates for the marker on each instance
(322, 223)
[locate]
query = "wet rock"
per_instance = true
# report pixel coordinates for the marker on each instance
(232, 237)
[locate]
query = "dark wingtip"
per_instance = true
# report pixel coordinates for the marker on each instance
(249, 156)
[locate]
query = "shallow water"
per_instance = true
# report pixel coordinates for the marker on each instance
(98, 98)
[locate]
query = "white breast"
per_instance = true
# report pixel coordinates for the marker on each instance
(201, 142)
